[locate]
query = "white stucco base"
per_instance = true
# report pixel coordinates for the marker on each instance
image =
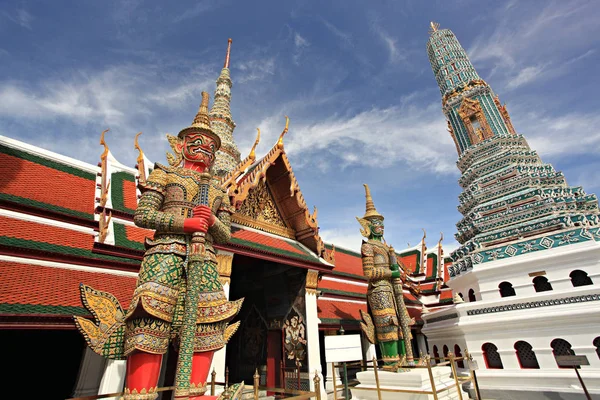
(415, 379)
(565, 312)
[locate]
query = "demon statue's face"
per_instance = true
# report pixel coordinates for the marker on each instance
(376, 226)
(199, 149)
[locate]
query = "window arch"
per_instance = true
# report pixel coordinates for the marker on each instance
(472, 295)
(526, 355)
(436, 353)
(445, 350)
(580, 278)
(596, 343)
(458, 354)
(541, 284)
(506, 289)
(461, 296)
(491, 356)
(561, 347)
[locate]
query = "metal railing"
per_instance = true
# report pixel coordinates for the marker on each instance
(450, 360)
(256, 388)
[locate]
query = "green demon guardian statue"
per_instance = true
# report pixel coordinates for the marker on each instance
(387, 323)
(178, 297)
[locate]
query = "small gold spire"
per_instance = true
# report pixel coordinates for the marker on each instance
(371, 212)
(202, 123)
(252, 154)
(433, 27)
(285, 130)
(226, 65)
(202, 116)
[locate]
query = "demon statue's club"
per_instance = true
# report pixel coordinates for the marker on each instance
(178, 297)
(387, 322)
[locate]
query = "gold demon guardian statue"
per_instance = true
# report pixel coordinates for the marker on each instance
(387, 322)
(178, 297)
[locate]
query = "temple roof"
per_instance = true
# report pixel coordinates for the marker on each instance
(52, 292)
(275, 171)
(24, 183)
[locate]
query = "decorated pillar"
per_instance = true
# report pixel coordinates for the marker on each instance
(224, 263)
(312, 331)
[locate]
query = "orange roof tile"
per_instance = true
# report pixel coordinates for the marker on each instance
(348, 263)
(27, 230)
(446, 294)
(339, 310)
(410, 262)
(47, 185)
(137, 234)
(344, 287)
(129, 194)
(48, 286)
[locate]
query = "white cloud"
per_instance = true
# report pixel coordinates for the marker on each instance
(350, 239)
(345, 37)
(569, 134)
(395, 54)
(529, 44)
(201, 7)
(21, 17)
(383, 137)
(300, 43)
(254, 70)
(524, 76)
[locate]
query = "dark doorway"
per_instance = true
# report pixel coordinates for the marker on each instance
(42, 364)
(271, 293)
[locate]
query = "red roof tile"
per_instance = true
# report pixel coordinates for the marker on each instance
(410, 262)
(345, 287)
(47, 185)
(34, 231)
(266, 240)
(129, 194)
(446, 294)
(446, 274)
(48, 286)
(348, 263)
(339, 309)
(136, 234)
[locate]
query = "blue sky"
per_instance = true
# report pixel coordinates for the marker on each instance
(353, 77)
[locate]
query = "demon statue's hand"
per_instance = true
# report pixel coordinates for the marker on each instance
(203, 219)
(396, 274)
(395, 267)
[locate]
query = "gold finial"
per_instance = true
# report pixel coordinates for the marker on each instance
(201, 123)
(371, 212)
(103, 143)
(252, 154)
(424, 235)
(202, 116)
(136, 145)
(226, 65)
(433, 27)
(441, 238)
(280, 140)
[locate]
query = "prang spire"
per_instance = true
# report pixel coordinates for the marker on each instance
(473, 111)
(228, 156)
(226, 65)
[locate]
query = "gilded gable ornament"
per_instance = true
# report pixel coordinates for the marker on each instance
(260, 206)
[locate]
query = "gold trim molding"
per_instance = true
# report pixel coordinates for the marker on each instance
(224, 263)
(312, 281)
(263, 226)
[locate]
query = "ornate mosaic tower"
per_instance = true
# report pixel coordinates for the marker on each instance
(512, 202)
(228, 156)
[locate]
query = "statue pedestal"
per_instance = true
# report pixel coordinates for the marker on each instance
(415, 379)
